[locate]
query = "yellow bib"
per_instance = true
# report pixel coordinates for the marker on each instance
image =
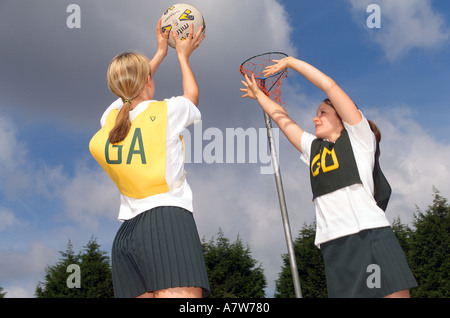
(137, 165)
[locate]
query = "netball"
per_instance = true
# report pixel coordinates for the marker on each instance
(179, 17)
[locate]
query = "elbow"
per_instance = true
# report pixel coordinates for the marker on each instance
(329, 85)
(194, 98)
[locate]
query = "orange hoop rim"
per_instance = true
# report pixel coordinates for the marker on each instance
(270, 85)
(244, 70)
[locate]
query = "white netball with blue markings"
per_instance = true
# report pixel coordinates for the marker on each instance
(179, 17)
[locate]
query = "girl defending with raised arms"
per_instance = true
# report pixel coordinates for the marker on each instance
(349, 190)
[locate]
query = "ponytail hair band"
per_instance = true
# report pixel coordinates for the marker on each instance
(127, 101)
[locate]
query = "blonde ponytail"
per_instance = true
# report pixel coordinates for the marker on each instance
(122, 125)
(127, 76)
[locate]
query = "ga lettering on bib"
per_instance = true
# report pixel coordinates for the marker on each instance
(137, 165)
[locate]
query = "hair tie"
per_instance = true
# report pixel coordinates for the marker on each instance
(127, 101)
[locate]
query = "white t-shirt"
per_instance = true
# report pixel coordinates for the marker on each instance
(351, 209)
(181, 113)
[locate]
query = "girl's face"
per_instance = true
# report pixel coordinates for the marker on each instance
(328, 124)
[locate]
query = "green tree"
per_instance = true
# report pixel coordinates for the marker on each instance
(55, 285)
(403, 233)
(428, 255)
(95, 274)
(310, 268)
(2, 294)
(426, 245)
(232, 271)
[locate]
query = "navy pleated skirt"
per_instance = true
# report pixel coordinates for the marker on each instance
(158, 249)
(370, 263)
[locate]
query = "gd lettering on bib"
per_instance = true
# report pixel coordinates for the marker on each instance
(332, 165)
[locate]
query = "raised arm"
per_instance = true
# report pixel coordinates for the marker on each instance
(184, 51)
(344, 106)
(161, 52)
(278, 114)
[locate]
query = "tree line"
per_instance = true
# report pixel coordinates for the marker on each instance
(234, 273)
(426, 245)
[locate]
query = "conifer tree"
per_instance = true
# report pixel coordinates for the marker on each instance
(2, 293)
(429, 253)
(94, 269)
(310, 268)
(232, 271)
(55, 284)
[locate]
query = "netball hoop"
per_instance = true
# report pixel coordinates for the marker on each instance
(270, 85)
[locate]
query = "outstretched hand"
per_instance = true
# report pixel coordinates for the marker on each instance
(278, 66)
(187, 46)
(251, 89)
(162, 38)
(161, 52)
(184, 50)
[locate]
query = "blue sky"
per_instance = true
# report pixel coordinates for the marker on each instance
(53, 91)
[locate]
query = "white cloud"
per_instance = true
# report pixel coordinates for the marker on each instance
(73, 62)
(13, 173)
(8, 219)
(90, 196)
(405, 25)
(20, 291)
(21, 269)
(413, 161)
(87, 197)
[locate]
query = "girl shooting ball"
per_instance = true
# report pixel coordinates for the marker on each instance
(157, 252)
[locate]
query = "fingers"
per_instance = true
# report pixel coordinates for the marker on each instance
(166, 34)
(191, 32)
(175, 37)
(199, 32)
(253, 80)
(245, 90)
(272, 69)
(275, 68)
(191, 40)
(159, 30)
(199, 36)
(247, 82)
(158, 26)
(250, 82)
(251, 87)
